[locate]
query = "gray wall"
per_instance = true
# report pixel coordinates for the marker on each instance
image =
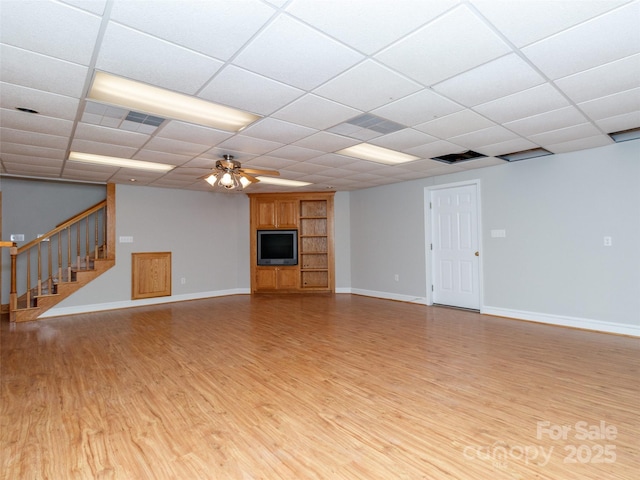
(342, 229)
(207, 233)
(33, 207)
(555, 210)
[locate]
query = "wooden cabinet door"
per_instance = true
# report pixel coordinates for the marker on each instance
(276, 214)
(287, 214)
(266, 279)
(287, 278)
(265, 214)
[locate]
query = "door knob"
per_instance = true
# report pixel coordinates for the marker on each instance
(477, 254)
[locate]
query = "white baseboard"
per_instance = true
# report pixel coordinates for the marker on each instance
(99, 307)
(389, 296)
(565, 321)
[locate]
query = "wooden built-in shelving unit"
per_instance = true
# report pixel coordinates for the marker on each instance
(311, 214)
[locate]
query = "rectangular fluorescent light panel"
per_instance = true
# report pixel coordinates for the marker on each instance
(158, 101)
(119, 162)
(525, 154)
(373, 153)
(283, 182)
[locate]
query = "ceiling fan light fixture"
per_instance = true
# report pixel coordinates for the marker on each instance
(139, 96)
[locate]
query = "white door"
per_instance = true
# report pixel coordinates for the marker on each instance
(455, 255)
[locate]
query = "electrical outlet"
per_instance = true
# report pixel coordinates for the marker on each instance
(183, 280)
(396, 277)
(608, 241)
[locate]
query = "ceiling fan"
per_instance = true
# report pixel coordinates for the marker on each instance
(229, 174)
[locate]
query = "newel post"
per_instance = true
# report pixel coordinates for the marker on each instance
(13, 294)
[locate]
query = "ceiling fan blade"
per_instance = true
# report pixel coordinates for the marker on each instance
(254, 171)
(252, 179)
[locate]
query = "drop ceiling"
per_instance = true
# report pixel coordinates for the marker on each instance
(491, 76)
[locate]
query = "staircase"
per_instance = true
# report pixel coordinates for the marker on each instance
(48, 269)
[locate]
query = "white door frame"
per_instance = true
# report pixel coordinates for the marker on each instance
(428, 235)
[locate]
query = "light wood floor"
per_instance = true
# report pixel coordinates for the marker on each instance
(314, 387)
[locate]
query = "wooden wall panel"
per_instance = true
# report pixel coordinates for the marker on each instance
(150, 275)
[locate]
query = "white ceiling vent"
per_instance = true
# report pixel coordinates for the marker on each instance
(123, 119)
(366, 127)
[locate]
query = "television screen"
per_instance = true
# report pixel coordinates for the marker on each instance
(277, 247)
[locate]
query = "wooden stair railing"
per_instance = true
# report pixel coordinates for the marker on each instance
(51, 267)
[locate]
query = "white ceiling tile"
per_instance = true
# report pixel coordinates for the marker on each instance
(327, 142)
(498, 78)
(536, 100)
(149, 155)
(604, 80)
(612, 105)
(93, 6)
(436, 149)
(190, 132)
(96, 133)
(71, 37)
(482, 163)
(580, 144)
(292, 152)
(47, 104)
(367, 86)
(97, 148)
(239, 88)
(545, 122)
(343, 20)
(510, 146)
(604, 39)
(228, 26)
(524, 22)
(16, 165)
(268, 162)
(178, 147)
(35, 123)
(455, 42)
(24, 68)
(481, 138)
(455, 124)
(565, 134)
(31, 150)
(138, 56)
(294, 53)
(325, 112)
(620, 122)
(306, 168)
(32, 138)
(278, 131)
(417, 108)
(334, 161)
(245, 144)
(93, 176)
(403, 139)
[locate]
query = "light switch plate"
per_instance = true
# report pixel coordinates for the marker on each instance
(126, 239)
(17, 237)
(498, 233)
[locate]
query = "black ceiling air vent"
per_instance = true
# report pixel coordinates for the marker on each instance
(459, 157)
(625, 135)
(525, 154)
